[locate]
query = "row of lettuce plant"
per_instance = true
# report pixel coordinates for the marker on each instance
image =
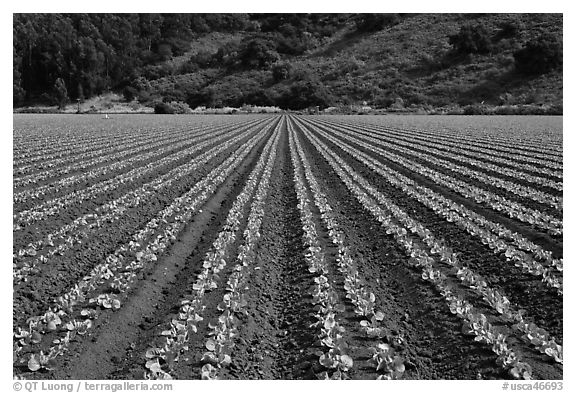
(428, 153)
(526, 145)
(85, 152)
(28, 258)
(160, 148)
(54, 206)
(31, 151)
(224, 329)
(161, 359)
(387, 363)
(87, 161)
(87, 148)
(475, 323)
(496, 202)
(531, 333)
(493, 237)
(485, 155)
(333, 354)
(100, 288)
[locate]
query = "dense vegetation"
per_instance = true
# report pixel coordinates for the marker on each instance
(295, 61)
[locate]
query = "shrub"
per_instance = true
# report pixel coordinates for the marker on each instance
(60, 93)
(281, 71)
(259, 97)
(163, 108)
(510, 29)
(375, 22)
(307, 93)
(202, 59)
(471, 39)
(476, 110)
(180, 107)
(188, 67)
(258, 53)
(18, 94)
(129, 93)
(144, 97)
(539, 56)
(174, 107)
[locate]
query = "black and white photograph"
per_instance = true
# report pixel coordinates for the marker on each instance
(287, 196)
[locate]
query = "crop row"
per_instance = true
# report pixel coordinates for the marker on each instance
(427, 154)
(398, 224)
(113, 150)
(224, 329)
(384, 358)
(530, 332)
(99, 289)
(509, 157)
(81, 140)
(536, 145)
(175, 339)
(160, 149)
(55, 147)
(53, 206)
(496, 202)
(491, 234)
(63, 147)
(92, 157)
(57, 242)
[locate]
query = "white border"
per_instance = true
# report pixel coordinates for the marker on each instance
(192, 6)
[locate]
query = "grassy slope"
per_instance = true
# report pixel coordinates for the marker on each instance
(410, 60)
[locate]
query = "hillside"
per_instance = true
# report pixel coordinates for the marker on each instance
(391, 61)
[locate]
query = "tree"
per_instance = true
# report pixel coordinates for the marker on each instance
(510, 29)
(18, 93)
(163, 108)
(471, 39)
(307, 93)
(258, 53)
(539, 56)
(130, 93)
(258, 97)
(61, 93)
(281, 71)
(80, 93)
(375, 22)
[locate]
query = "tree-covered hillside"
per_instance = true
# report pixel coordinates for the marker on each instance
(290, 60)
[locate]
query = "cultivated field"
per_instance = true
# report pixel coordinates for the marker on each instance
(287, 247)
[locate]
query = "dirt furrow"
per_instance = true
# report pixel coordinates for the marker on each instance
(542, 304)
(107, 352)
(436, 348)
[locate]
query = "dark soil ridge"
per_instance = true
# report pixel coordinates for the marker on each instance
(436, 348)
(69, 213)
(190, 365)
(358, 343)
(542, 303)
(542, 239)
(188, 142)
(276, 340)
(525, 201)
(140, 146)
(421, 139)
(35, 295)
(543, 367)
(132, 366)
(172, 136)
(119, 336)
